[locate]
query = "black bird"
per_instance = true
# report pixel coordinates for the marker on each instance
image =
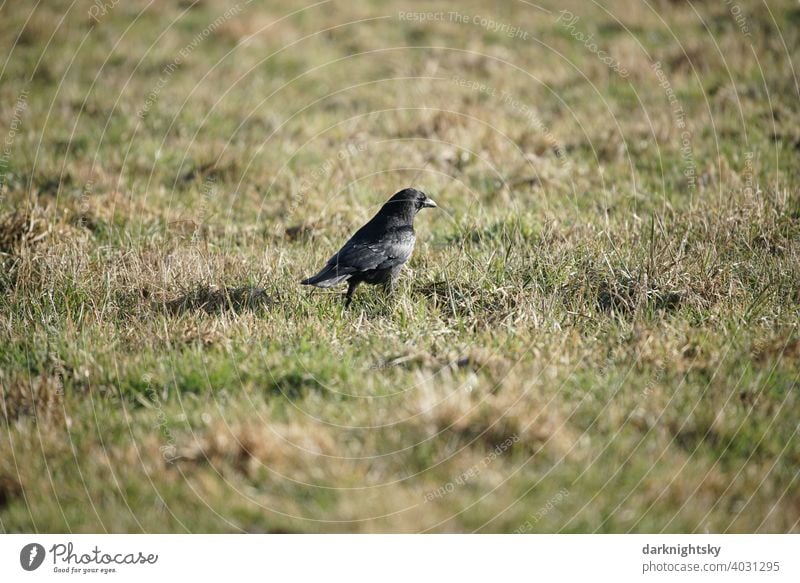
(378, 250)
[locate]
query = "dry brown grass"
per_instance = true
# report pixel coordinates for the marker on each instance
(576, 316)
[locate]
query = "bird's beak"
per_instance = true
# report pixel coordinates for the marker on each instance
(428, 203)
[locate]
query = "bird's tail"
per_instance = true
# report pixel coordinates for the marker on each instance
(328, 277)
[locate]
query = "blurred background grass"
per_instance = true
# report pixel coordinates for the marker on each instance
(597, 332)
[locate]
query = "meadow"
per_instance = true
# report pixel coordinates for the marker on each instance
(598, 330)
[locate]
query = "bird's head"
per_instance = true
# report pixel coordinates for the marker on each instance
(409, 198)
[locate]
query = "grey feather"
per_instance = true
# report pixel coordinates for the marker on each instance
(377, 251)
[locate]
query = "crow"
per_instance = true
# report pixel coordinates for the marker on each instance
(378, 250)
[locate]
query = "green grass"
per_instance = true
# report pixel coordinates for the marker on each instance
(582, 342)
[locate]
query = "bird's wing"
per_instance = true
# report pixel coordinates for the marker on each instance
(358, 255)
(361, 254)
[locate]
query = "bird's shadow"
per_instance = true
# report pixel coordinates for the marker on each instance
(214, 300)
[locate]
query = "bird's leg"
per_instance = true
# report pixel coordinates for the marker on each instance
(390, 286)
(351, 287)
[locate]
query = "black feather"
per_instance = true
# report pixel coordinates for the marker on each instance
(377, 251)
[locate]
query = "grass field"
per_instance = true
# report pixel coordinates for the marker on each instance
(598, 331)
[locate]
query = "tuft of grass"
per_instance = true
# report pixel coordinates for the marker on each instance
(596, 309)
